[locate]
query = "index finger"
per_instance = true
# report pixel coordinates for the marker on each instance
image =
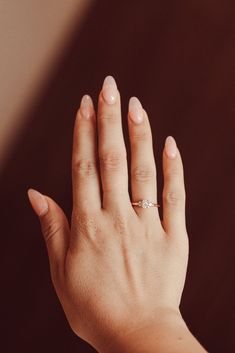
(85, 178)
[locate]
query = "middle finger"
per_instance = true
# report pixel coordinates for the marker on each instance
(112, 149)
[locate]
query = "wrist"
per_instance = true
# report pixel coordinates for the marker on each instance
(167, 333)
(130, 337)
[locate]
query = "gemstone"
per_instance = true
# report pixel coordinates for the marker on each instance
(145, 203)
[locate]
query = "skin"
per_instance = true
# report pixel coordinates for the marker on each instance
(118, 269)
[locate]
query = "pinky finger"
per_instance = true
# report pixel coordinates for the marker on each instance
(174, 190)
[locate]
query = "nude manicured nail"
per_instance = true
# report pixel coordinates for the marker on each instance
(171, 148)
(86, 107)
(136, 110)
(109, 90)
(38, 202)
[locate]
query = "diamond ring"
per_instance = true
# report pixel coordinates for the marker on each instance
(145, 204)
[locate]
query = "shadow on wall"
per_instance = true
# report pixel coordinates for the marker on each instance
(33, 36)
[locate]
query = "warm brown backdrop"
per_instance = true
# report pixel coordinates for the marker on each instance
(179, 59)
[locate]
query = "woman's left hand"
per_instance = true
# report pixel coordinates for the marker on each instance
(118, 267)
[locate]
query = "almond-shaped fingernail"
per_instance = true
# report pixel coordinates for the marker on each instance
(136, 110)
(86, 107)
(109, 90)
(38, 202)
(171, 148)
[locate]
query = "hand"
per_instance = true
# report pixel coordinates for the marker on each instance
(118, 267)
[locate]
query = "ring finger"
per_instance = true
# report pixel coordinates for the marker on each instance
(143, 168)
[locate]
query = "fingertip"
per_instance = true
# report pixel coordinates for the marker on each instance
(86, 107)
(136, 111)
(170, 147)
(38, 202)
(109, 90)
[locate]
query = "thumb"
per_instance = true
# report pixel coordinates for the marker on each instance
(55, 229)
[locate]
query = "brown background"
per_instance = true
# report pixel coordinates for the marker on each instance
(178, 57)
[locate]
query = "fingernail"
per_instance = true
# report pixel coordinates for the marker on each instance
(86, 107)
(109, 90)
(171, 148)
(136, 110)
(38, 202)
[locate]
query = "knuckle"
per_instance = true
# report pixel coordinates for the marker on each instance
(50, 229)
(120, 223)
(173, 173)
(142, 174)
(107, 116)
(141, 135)
(85, 224)
(112, 160)
(173, 198)
(84, 168)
